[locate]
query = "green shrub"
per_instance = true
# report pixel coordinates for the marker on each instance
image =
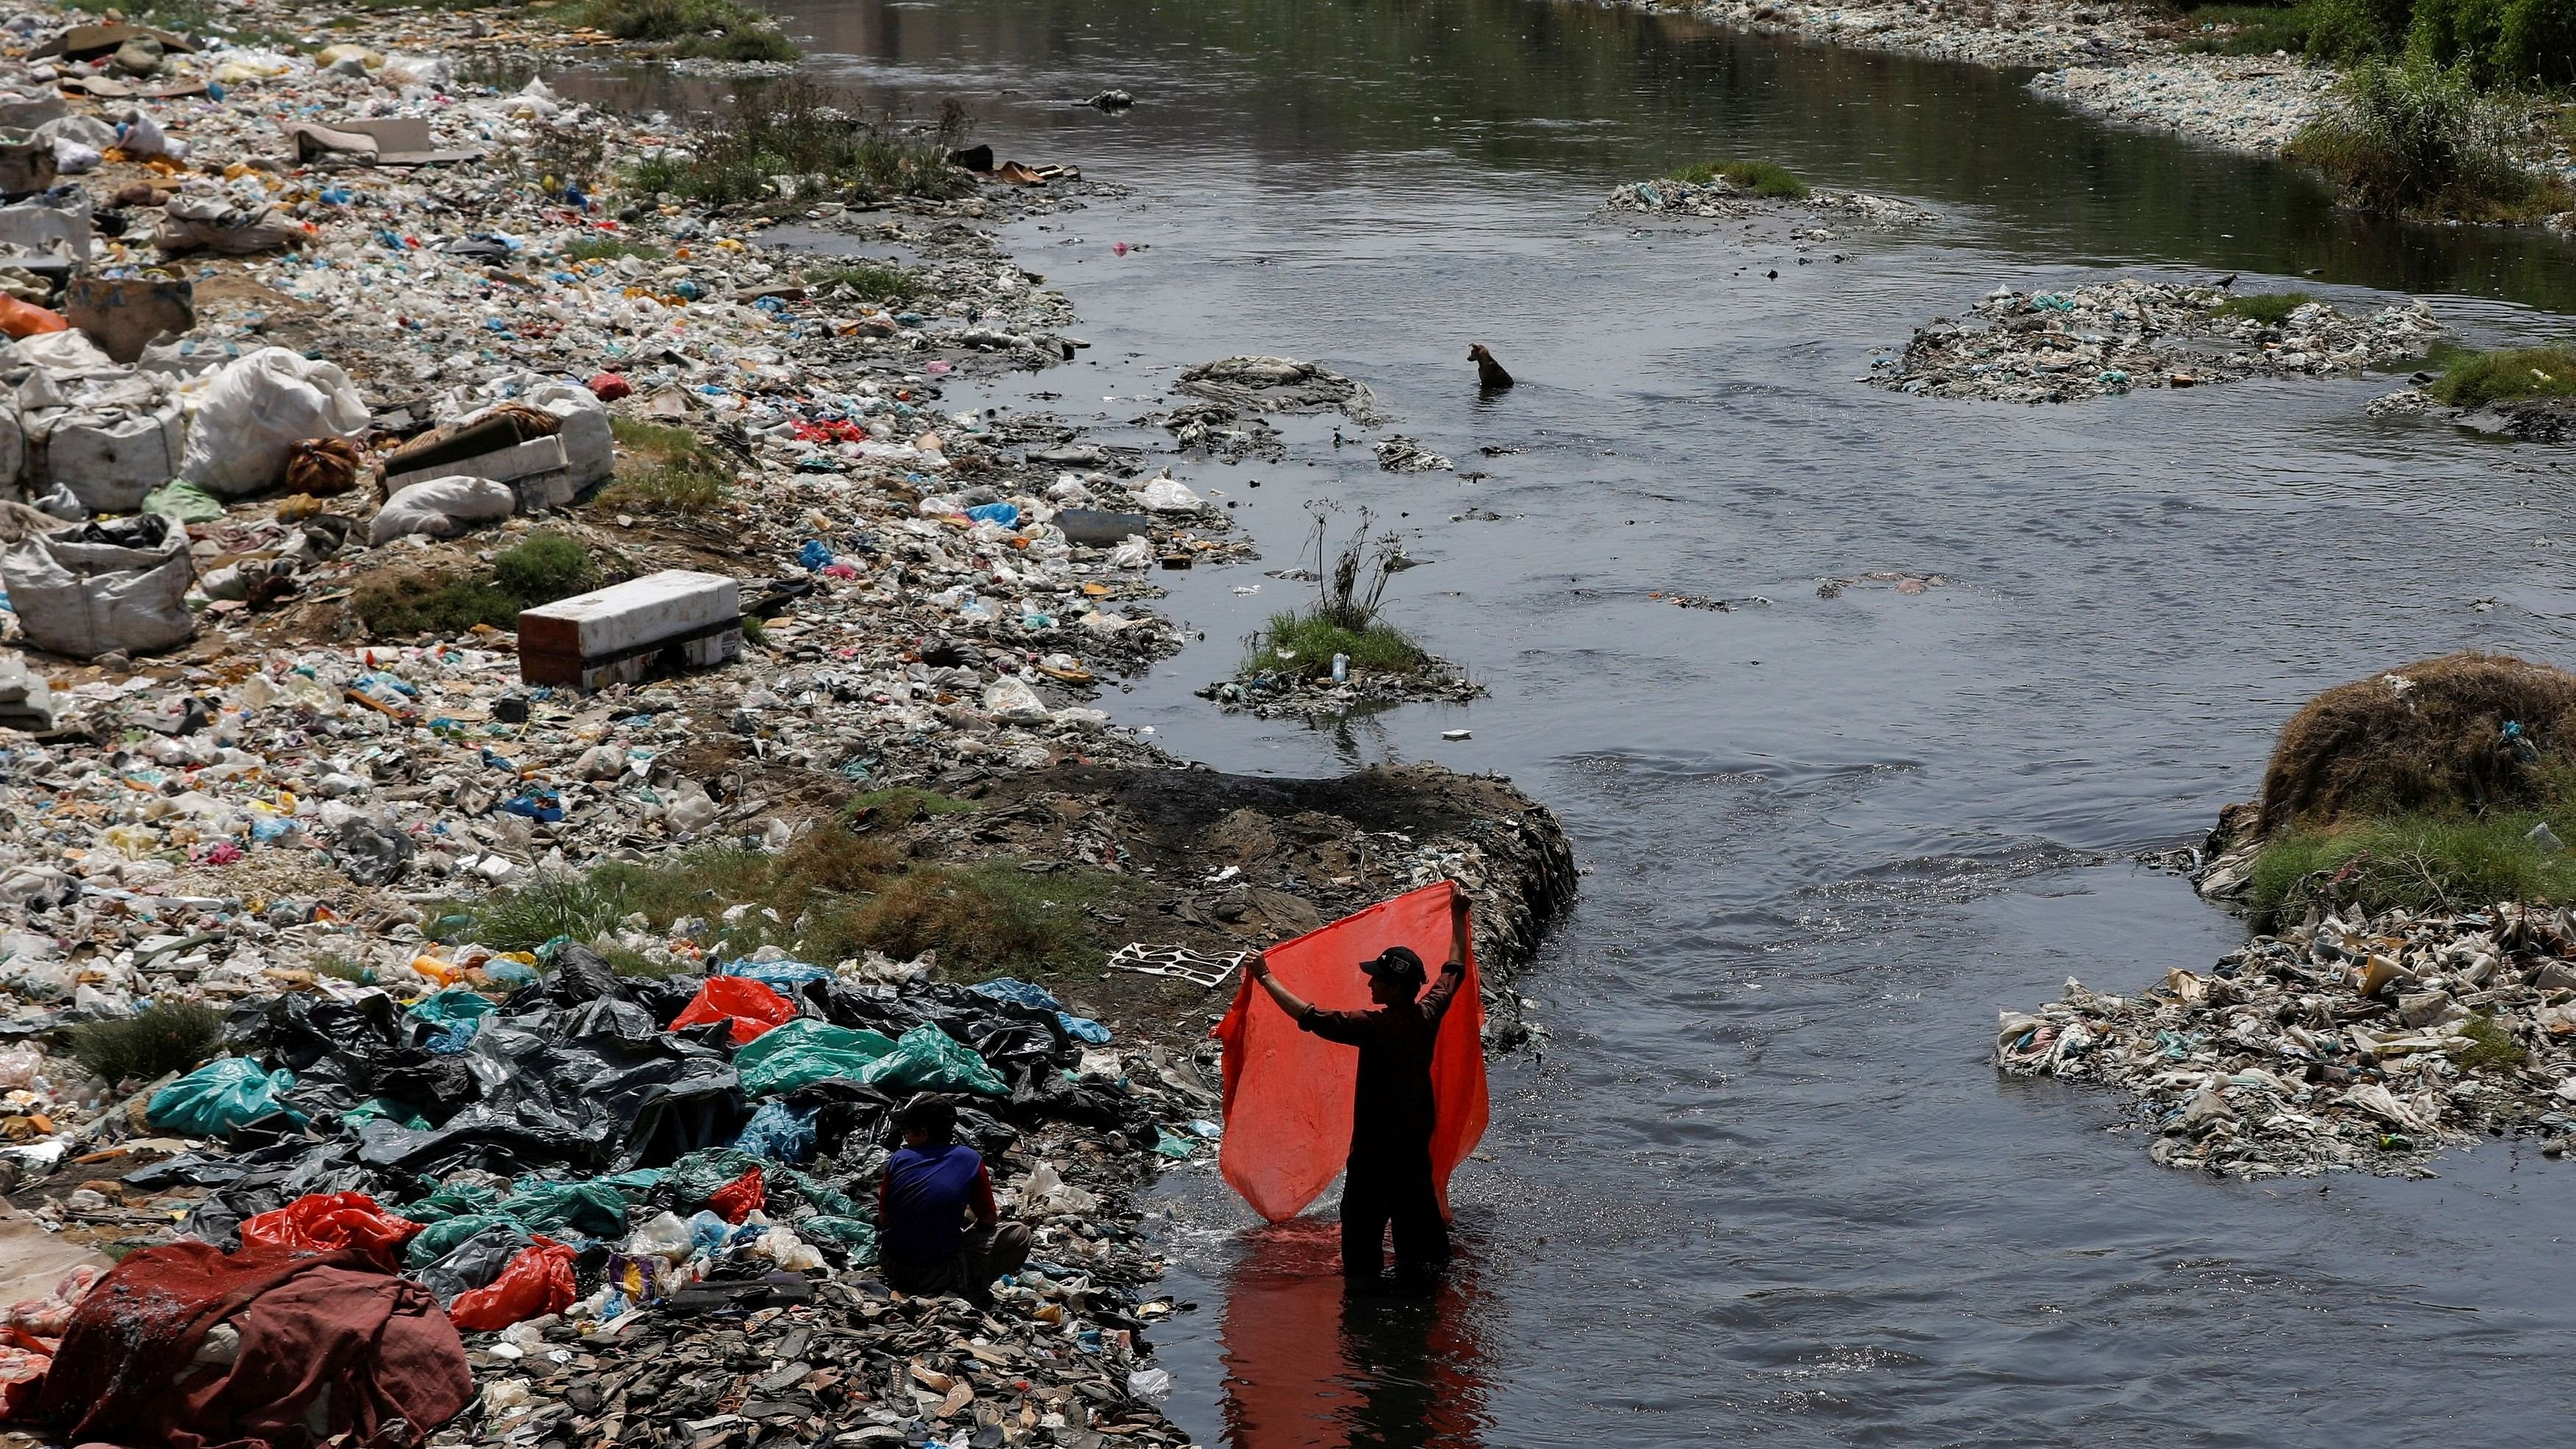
(1303, 646)
(547, 567)
(2474, 379)
(873, 281)
(2497, 43)
(2490, 1046)
(835, 894)
(790, 128)
(666, 469)
(2268, 308)
(2414, 139)
(1762, 178)
(2418, 862)
(149, 1044)
(2347, 32)
(716, 29)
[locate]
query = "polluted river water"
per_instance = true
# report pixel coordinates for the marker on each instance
(1759, 1180)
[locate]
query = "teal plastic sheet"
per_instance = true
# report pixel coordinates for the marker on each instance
(434, 1241)
(795, 1053)
(218, 1097)
(926, 1059)
(591, 1209)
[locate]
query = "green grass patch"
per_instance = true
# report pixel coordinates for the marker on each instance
(663, 468)
(712, 29)
(2269, 308)
(1303, 645)
(873, 281)
(2490, 1046)
(148, 1044)
(544, 568)
(2418, 140)
(835, 893)
(601, 247)
(2474, 379)
(2414, 862)
(341, 968)
(1762, 178)
(791, 127)
(983, 919)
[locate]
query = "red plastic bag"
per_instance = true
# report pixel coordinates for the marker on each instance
(1288, 1091)
(534, 1284)
(736, 1199)
(325, 1221)
(752, 1007)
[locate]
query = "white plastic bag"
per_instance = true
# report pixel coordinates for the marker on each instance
(259, 407)
(1167, 495)
(442, 508)
(1011, 698)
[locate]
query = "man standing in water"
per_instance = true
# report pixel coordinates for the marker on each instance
(1388, 1179)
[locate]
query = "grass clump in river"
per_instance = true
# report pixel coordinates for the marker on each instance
(2268, 308)
(1344, 619)
(664, 469)
(693, 29)
(2418, 862)
(868, 281)
(831, 895)
(2414, 139)
(2475, 379)
(791, 128)
(547, 567)
(1762, 178)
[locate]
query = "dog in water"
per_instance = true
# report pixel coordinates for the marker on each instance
(1489, 373)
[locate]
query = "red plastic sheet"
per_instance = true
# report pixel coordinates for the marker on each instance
(329, 1221)
(752, 1007)
(1288, 1092)
(533, 1284)
(736, 1199)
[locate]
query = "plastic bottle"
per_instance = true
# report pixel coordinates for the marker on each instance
(1341, 669)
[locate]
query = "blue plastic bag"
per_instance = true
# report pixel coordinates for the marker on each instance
(220, 1096)
(778, 1132)
(1005, 514)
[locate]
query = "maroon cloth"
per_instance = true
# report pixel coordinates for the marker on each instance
(377, 1345)
(306, 1319)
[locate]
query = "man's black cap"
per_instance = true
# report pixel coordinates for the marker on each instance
(1396, 963)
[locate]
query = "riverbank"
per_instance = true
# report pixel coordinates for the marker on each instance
(2130, 63)
(337, 800)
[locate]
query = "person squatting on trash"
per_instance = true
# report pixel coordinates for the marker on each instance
(931, 1185)
(1388, 1180)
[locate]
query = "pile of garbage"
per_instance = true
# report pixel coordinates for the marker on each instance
(1289, 692)
(2112, 338)
(563, 1155)
(1838, 213)
(1278, 385)
(2344, 1044)
(2524, 420)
